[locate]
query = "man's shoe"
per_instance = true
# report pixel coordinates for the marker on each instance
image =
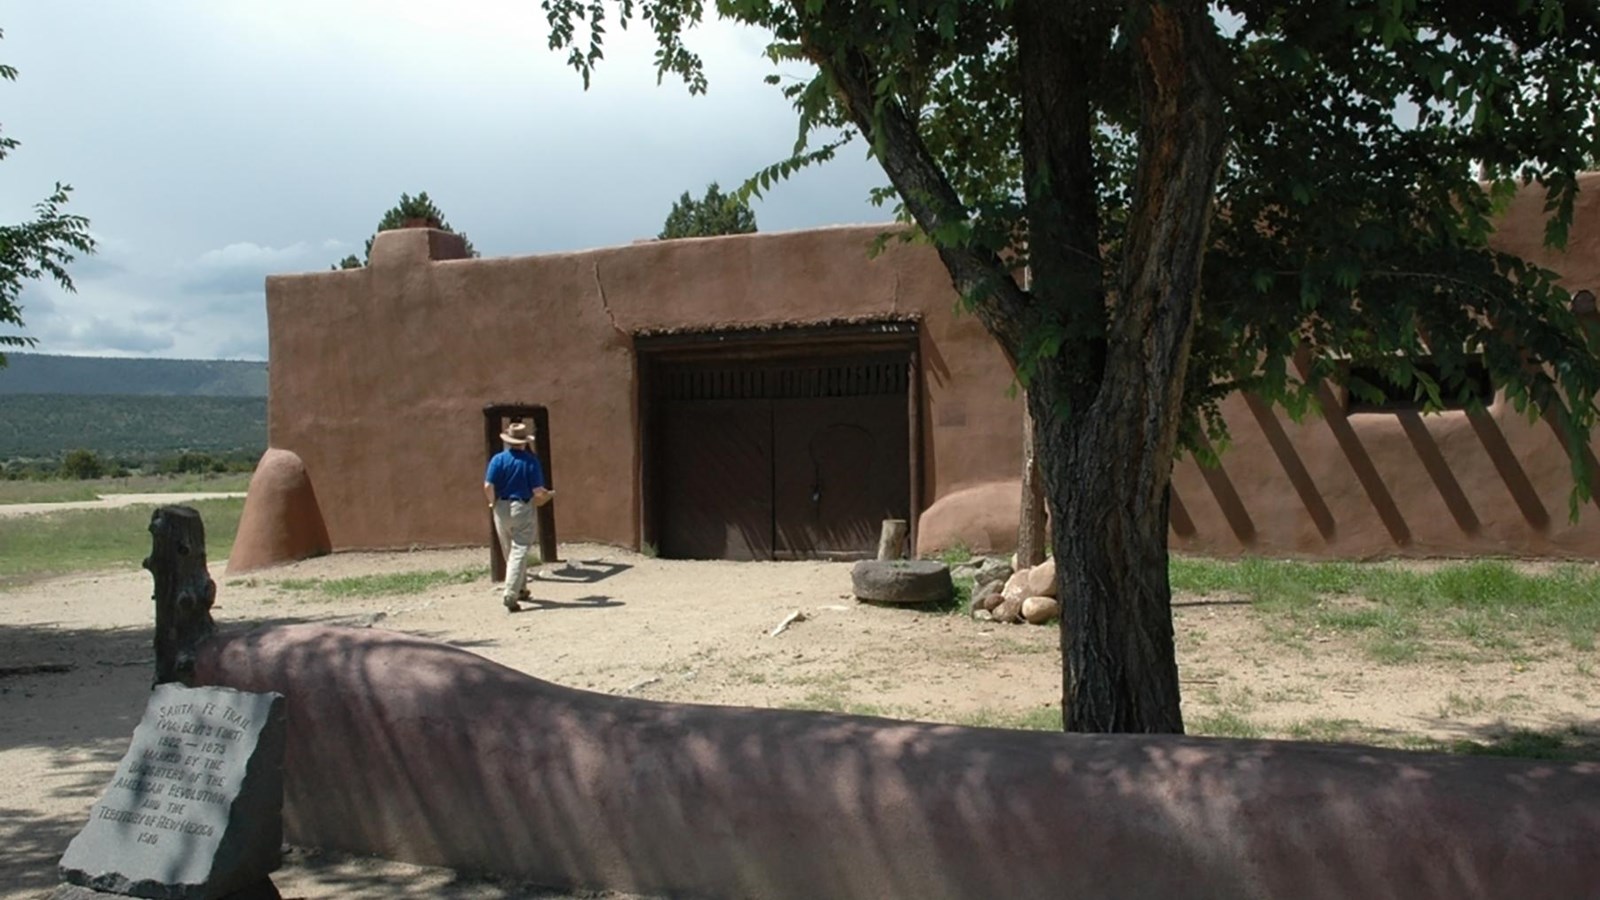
(512, 605)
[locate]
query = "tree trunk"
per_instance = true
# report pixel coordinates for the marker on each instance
(1031, 523)
(184, 590)
(1108, 463)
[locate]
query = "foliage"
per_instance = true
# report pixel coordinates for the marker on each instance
(40, 247)
(1208, 198)
(83, 465)
(410, 212)
(34, 425)
(713, 214)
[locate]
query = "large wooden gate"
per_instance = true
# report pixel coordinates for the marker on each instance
(783, 455)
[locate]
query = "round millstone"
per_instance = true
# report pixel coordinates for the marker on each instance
(902, 581)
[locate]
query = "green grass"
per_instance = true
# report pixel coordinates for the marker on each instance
(1400, 612)
(69, 491)
(1045, 718)
(60, 543)
(380, 585)
(1225, 723)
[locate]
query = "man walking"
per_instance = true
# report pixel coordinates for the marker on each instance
(513, 485)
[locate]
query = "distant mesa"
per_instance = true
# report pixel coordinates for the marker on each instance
(42, 373)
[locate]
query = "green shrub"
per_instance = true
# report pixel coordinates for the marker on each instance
(83, 465)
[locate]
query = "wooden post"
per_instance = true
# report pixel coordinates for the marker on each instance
(892, 541)
(184, 590)
(1031, 524)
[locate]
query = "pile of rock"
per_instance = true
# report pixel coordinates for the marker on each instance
(1000, 594)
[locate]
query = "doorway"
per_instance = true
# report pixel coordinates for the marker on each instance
(789, 445)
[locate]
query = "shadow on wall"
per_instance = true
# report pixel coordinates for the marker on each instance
(416, 751)
(1388, 467)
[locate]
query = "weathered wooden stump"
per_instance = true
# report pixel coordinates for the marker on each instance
(184, 590)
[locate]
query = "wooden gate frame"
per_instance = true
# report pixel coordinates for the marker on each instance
(650, 350)
(540, 417)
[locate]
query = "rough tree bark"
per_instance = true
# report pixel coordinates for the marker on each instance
(1109, 468)
(184, 590)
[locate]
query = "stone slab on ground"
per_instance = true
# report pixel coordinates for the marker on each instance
(195, 809)
(902, 581)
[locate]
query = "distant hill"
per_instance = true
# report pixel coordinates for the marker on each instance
(35, 425)
(40, 373)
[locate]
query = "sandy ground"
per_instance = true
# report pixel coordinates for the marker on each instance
(620, 623)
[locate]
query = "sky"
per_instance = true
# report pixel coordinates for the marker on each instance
(214, 142)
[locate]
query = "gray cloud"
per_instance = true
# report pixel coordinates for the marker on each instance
(229, 158)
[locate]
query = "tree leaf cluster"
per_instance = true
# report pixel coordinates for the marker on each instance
(411, 212)
(41, 247)
(713, 214)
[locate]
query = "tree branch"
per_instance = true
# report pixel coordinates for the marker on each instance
(981, 276)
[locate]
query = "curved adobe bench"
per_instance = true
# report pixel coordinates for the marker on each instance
(418, 751)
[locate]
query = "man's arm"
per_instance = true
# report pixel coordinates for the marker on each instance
(488, 493)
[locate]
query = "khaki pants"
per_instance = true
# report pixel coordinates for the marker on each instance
(518, 529)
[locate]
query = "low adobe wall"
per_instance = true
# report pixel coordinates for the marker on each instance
(418, 751)
(379, 375)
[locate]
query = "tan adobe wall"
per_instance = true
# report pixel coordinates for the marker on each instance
(378, 376)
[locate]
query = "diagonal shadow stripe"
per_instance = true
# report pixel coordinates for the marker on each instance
(1438, 470)
(1289, 458)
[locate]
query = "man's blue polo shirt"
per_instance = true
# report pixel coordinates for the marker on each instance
(514, 474)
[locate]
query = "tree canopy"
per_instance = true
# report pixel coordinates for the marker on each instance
(1209, 197)
(715, 213)
(410, 212)
(42, 246)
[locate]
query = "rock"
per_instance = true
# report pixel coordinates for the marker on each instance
(992, 570)
(982, 615)
(988, 596)
(1016, 585)
(1009, 611)
(1039, 610)
(902, 581)
(1042, 579)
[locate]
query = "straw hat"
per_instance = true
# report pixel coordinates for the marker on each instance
(517, 433)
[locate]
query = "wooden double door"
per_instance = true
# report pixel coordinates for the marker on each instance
(779, 458)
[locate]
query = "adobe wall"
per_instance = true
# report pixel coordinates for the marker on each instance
(1401, 484)
(378, 376)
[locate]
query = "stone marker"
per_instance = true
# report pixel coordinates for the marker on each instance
(195, 810)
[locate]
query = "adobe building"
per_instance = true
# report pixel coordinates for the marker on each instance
(776, 396)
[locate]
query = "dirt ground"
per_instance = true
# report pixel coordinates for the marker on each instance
(620, 623)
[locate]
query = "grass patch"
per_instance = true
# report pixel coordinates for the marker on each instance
(1325, 730)
(1489, 604)
(78, 491)
(85, 540)
(1045, 718)
(391, 584)
(1226, 723)
(956, 555)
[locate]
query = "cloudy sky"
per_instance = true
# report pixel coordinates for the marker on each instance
(214, 142)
